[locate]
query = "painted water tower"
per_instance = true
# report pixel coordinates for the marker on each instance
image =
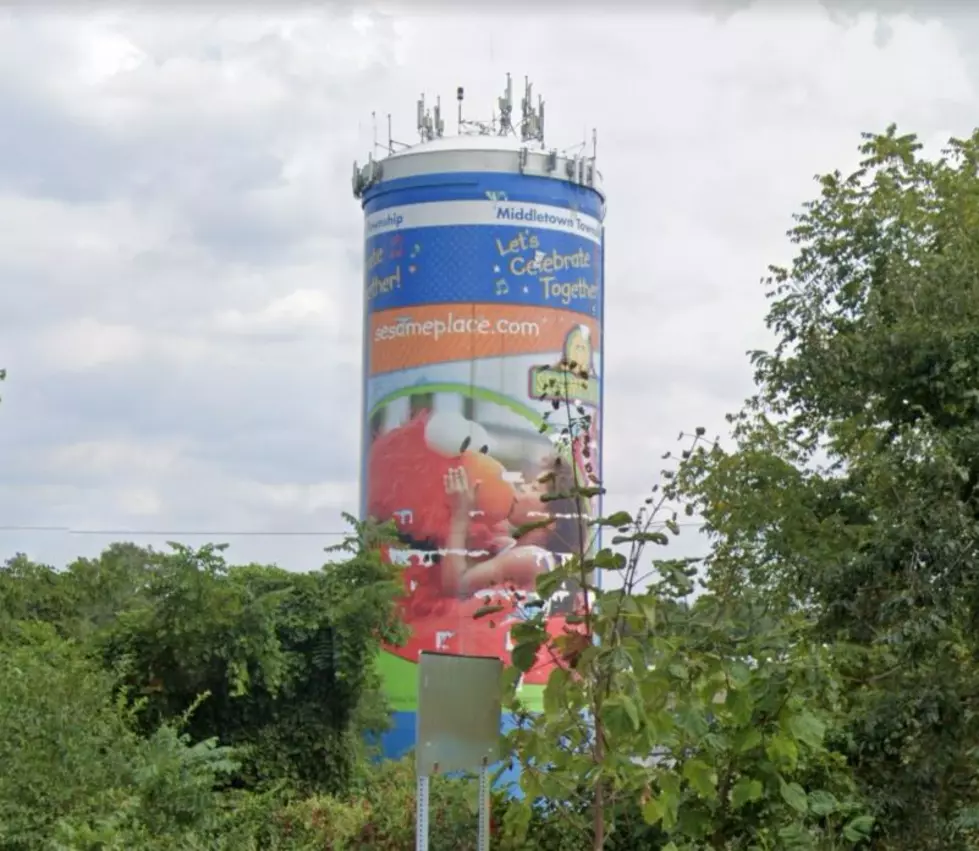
(483, 273)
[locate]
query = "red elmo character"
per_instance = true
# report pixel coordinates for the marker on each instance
(435, 477)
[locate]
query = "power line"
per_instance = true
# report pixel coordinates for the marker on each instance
(68, 530)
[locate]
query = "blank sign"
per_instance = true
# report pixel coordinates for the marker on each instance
(459, 712)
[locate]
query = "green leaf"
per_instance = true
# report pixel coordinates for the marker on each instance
(795, 838)
(807, 728)
(619, 518)
(746, 791)
(741, 706)
(653, 811)
(664, 806)
(547, 583)
(641, 538)
(692, 722)
(555, 691)
(746, 740)
(527, 528)
(606, 559)
(670, 796)
(782, 750)
(511, 679)
(483, 611)
(794, 795)
(524, 655)
(701, 777)
(823, 803)
(621, 703)
(528, 630)
(739, 674)
(858, 828)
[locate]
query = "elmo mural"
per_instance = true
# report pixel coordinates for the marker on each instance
(456, 508)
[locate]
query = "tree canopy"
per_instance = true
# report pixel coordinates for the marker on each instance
(851, 490)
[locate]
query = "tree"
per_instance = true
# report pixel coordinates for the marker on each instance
(285, 659)
(75, 773)
(32, 592)
(710, 712)
(852, 492)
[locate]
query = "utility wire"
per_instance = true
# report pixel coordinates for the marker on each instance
(68, 530)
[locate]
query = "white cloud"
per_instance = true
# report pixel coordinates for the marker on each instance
(299, 311)
(140, 502)
(126, 459)
(179, 249)
(87, 344)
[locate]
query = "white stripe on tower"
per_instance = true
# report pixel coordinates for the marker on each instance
(496, 213)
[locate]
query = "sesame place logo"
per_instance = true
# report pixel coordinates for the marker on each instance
(574, 377)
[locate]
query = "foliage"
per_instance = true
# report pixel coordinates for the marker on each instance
(378, 813)
(285, 658)
(851, 493)
(711, 712)
(76, 775)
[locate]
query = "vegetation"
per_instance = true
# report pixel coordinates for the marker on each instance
(812, 683)
(851, 494)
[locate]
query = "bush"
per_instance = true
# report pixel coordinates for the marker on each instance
(75, 774)
(378, 814)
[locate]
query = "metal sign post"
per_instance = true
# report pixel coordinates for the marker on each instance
(421, 815)
(458, 729)
(483, 840)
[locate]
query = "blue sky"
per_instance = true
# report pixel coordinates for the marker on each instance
(180, 250)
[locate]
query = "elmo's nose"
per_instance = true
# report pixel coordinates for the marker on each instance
(495, 495)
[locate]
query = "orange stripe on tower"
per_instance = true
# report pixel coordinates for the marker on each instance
(402, 338)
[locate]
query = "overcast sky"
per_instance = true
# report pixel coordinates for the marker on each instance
(180, 290)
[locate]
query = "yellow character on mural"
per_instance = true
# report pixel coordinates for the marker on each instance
(578, 350)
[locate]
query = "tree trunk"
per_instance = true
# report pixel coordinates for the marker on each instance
(598, 802)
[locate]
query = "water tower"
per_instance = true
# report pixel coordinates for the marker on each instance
(483, 278)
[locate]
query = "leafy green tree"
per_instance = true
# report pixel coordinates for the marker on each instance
(711, 712)
(74, 770)
(852, 491)
(286, 659)
(32, 592)
(81, 601)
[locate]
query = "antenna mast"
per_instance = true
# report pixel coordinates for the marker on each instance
(532, 124)
(430, 123)
(578, 167)
(506, 108)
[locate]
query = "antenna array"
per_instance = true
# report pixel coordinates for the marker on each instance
(529, 127)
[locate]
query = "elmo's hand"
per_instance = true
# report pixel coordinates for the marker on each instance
(462, 495)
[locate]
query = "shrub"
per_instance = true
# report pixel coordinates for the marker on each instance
(75, 774)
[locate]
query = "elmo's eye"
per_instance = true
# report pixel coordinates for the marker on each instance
(484, 449)
(451, 434)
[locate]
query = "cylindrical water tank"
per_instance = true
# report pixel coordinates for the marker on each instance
(482, 276)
